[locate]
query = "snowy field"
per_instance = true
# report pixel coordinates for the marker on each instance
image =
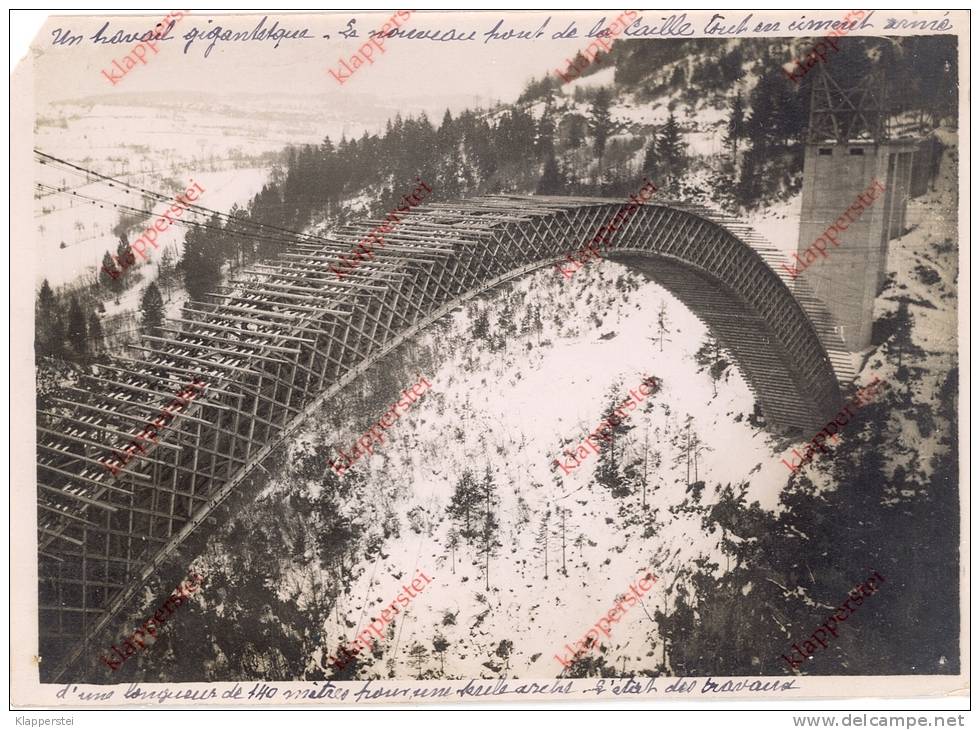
(86, 228)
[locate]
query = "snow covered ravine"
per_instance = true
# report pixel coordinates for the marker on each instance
(509, 399)
(512, 411)
(519, 374)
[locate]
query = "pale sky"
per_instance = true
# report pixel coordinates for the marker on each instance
(408, 67)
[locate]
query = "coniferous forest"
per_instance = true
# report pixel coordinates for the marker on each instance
(545, 143)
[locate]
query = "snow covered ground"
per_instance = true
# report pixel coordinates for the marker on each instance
(513, 411)
(226, 142)
(86, 228)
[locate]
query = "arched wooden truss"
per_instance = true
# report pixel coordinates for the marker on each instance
(287, 335)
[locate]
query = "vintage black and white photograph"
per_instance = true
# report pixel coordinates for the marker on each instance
(424, 356)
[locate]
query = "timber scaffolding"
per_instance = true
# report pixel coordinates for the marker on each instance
(286, 335)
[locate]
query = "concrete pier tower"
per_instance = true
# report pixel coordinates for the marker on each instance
(848, 148)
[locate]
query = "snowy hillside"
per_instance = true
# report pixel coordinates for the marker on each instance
(477, 416)
(518, 375)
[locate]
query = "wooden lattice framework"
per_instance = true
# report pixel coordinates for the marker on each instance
(848, 108)
(288, 334)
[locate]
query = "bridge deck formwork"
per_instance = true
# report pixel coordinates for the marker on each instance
(286, 335)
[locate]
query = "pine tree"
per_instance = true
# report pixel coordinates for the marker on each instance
(59, 334)
(45, 299)
(77, 332)
(451, 167)
(600, 121)
(538, 322)
(237, 245)
(463, 501)
(774, 125)
(736, 126)
(167, 266)
(349, 662)
(901, 340)
(552, 181)
(612, 470)
(691, 449)
(697, 449)
(151, 309)
(651, 159)
(504, 650)
(577, 126)
(749, 187)
(439, 645)
(95, 332)
(49, 329)
(109, 275)
(452, 542)
(527, 322)
(506, 327)
(544, 143)
(201, 265)
(514, 138)
(678, 77)
(491, 525)
(447, 134)
(480, 329)
(124, 253)
(671, 150)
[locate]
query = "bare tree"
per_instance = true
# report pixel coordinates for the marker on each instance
(653, 460)
(452, 540)
(563, 513)
(542, 539)
(646, 459)
(490, 524)
(662, 324)
(691, 447)
(697, 448)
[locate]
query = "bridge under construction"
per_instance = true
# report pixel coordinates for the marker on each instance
(284, 336)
